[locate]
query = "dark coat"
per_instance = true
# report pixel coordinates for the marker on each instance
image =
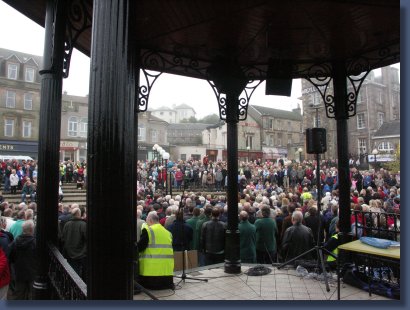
(182, 234)
(23, 256)
(297, 240)
(213, 237)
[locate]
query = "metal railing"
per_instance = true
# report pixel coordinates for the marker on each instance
(376, 224)
(66, 282)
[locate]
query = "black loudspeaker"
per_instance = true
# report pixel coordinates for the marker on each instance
(279, 78)
(316, 140)
(278, 86)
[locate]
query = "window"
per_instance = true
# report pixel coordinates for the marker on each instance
(154, 136)
(271, 123)
(316, 121)
(10, 99)
(183, 157)
(289, 125)
(380, 118)
(395, 99)
(279, 124)
(27, 129)
(385, 146)
(28, 101)
(360, 121)
(9, 127)
(161, 113)
(359, 98)
(141, 133)
(83, 127)
(289, 139)
(72, 126)
(279, 139)
(29, 74)
(12, 71)
(362, 146)
(315, 98)
(249, 141)
(379, 97)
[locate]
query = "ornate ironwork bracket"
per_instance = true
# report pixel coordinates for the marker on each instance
(151, 61)
(78, 20)
(144, 88)
(320, 76)
(243, 100)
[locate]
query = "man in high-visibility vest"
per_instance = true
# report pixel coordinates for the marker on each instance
(332, 246)
(156, 256)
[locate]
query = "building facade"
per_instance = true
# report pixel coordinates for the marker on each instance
(74, 126)
(174, 114)
(378, 102)
(19, 103)
(281, 132)
(151, 130)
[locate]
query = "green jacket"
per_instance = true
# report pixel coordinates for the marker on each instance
(192, 222)
(247, 233)
(266, 232)
(198, 230)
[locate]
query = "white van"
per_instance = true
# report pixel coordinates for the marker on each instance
(17, 157)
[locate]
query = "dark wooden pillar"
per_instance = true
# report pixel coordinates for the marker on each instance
(49, 141)
(111, 153)
(342, 115)
(232, 241)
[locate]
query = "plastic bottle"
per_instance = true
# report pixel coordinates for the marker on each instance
(301, 271)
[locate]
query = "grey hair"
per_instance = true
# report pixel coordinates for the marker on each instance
(28, 227)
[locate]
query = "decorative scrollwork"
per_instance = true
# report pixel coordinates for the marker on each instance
(245, 97)
(65, 281)
(79, 19)
(221, 100)
(161, 62)
(144, 88)
(320, 77)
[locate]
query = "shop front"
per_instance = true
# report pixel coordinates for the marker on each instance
(19, 148)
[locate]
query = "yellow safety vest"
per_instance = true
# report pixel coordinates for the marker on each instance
(330, 258)
(158, 258)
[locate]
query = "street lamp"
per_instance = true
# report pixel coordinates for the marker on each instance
(166, 157)
(248, 148)
(375, 152)
(155, 150)
(300, 154)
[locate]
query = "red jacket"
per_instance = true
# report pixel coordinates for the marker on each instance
(4, 269)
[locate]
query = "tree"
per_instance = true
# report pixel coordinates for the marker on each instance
(192, 119)
(210, 119)
(394, 166)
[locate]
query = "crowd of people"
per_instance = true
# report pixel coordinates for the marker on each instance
(278, 215)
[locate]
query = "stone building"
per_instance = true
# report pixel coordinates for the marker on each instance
(281, 133)
(19, 103)
(151, 130)
(174, 114)
(74, 126)
(378, 102)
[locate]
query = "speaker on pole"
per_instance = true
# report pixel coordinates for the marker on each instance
(316, 140)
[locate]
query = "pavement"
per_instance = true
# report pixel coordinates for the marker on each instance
(278, 284)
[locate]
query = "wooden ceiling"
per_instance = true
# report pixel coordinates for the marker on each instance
(256, 32)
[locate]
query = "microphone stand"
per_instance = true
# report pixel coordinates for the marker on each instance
(183, 245)
(318, 247)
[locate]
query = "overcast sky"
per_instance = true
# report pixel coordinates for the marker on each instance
(23, 35)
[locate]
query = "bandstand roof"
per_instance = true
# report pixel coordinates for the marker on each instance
(253, 33)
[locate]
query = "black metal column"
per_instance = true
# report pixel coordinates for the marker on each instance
(49, 141)
(232, 241)
(342, 115)
(111, 153)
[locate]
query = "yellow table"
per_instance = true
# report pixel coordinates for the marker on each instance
(360, 248)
